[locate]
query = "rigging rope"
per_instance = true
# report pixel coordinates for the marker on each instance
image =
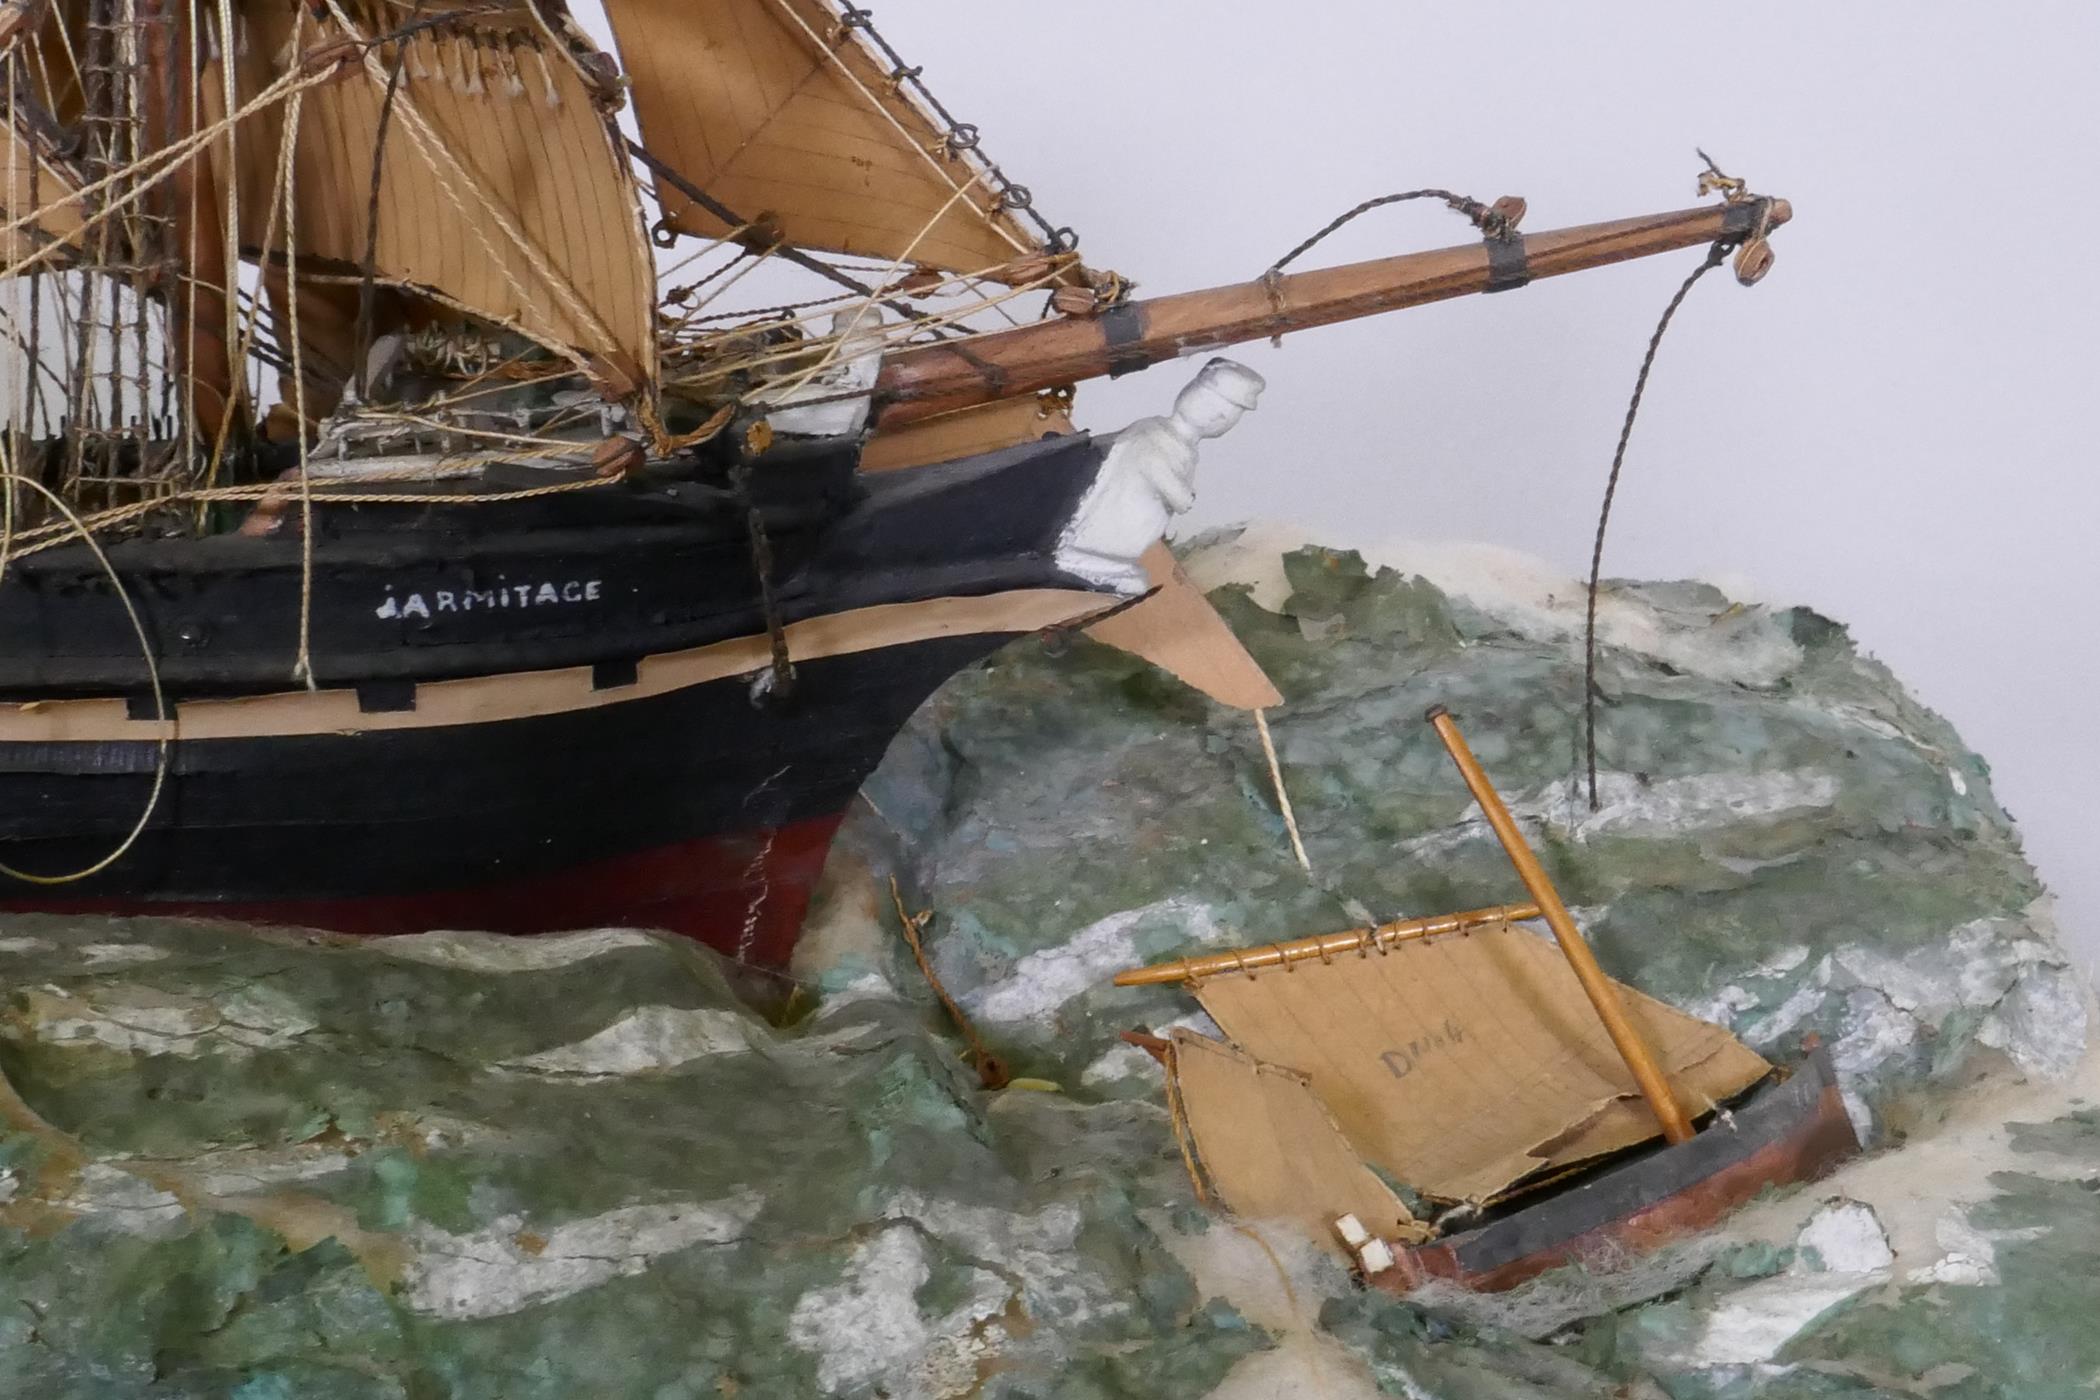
(303, 662)
(367, 285)
(164, 722)
(1283, 797)
(785, 394)
(1491, 221)
(1714, 257)
(1011, 196)
(53, 535)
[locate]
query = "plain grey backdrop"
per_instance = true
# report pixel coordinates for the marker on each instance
(1895, 428)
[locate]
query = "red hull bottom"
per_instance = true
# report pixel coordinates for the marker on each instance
(743, 894)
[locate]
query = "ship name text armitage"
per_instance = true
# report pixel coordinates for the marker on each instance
(509, 595)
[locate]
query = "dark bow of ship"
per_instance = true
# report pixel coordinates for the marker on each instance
(570, 716)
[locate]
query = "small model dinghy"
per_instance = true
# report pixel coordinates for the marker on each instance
(1457, 1098)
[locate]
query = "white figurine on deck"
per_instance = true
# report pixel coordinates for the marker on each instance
(835, 399)
(1149, 477)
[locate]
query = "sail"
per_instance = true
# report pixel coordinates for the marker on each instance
(39, 41)
(1271, 1149)
(776, 108)
(502, 192)
(1469, 1063)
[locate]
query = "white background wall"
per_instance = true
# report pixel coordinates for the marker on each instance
(1897, 427)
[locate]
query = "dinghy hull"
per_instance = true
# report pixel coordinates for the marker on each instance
(1792, 1131)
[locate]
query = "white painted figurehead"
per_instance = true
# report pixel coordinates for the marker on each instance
(1149, 477)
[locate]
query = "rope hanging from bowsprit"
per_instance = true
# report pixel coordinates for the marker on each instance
(1753, 261)
(779, 683)
(1495, 221)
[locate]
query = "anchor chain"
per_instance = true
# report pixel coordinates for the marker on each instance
(780, 682)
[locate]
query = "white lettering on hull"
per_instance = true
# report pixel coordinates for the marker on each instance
(551, 593)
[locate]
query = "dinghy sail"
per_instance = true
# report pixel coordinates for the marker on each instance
(1471, 1064)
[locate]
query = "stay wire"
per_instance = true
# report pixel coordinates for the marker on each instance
(1715, 255)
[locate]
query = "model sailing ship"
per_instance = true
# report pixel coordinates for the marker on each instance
(388, 545)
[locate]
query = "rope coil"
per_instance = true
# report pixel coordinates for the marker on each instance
(165, 753)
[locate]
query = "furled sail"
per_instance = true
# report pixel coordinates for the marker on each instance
(1468, 1063)
(778, 108)
(503, 191)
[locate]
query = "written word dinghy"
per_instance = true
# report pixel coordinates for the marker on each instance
(1450, 1097)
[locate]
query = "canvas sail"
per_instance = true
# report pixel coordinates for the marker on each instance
(502, 194)
(1469, 1063)
(1270, 1147)
(774, 108)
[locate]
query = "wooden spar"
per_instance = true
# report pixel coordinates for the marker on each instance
(193, 207)
(925, 380)
(1325, 946)
(1633, 1047)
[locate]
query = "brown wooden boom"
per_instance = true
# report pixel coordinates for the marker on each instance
(927, 380)
(1323, 947)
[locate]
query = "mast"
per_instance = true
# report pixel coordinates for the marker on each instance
(923, 381)
(189, 208)
(1626, 1037)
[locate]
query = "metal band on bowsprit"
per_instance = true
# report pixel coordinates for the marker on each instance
(1509, 266)
(1123, 324)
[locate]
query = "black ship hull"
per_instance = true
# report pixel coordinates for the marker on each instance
(549, 727)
